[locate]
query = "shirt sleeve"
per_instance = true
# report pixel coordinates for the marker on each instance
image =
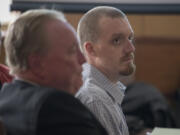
(106, 117)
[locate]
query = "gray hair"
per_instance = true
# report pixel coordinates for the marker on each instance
(25, 36)
(88, 28)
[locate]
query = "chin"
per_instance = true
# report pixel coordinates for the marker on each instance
(76, 86)
(129, 70)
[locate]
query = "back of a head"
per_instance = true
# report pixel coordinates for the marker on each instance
(25, 36)
(88, 28)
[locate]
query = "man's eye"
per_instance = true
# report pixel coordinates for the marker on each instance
(131, 39)
(117, 41)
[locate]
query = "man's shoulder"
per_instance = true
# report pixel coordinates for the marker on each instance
(46, 107)
(68, 115)
(21, 97)
(91, 92)
(32, 95)
(64, 109)
(62, 103)
(18, 87)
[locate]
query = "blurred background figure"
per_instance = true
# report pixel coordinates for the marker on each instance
(4, 70)
(145, 107)
(175, 105)
(42, 53)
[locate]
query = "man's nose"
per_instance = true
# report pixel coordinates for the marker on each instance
(130, 47)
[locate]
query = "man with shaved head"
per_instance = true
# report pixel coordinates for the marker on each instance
(106, 40)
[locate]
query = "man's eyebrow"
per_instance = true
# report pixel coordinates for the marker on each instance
(118, 35)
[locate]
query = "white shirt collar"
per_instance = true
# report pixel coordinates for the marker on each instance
(115, 90)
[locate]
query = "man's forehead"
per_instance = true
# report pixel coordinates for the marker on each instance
(116, 27)
(106, 23)
(109, 22)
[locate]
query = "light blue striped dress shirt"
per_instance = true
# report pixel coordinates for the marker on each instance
(103, 98)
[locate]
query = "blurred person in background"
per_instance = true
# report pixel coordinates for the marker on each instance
(4, 70)
(42, 53)
(145, 107)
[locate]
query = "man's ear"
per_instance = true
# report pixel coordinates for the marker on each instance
(35, 64)
(89, 48)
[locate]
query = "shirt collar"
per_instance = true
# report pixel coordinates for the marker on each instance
(114, 90)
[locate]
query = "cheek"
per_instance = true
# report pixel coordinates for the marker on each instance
(112, 58)
(76, 83)
(59, 67)
(71, 66)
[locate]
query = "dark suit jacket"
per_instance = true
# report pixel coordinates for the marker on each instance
(145, 108)
(28, 109)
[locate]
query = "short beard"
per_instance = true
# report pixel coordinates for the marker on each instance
(131, 69)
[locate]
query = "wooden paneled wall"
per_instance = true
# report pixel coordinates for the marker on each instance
(158, 63)
(162, 26)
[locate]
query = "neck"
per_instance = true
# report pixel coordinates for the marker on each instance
(27, 77)
(43, 81)
(111, 76)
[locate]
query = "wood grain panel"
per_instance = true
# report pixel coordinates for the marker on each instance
(162, 26)
(158, 63)
(73, 18)
(138, 24)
